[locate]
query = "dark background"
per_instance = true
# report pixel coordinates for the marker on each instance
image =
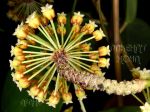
(95, 101)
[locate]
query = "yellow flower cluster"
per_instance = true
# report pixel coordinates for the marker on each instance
(40, 41)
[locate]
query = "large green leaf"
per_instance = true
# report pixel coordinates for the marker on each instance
(136, 39)
(124, 109)
(15, 101)
(131, 10)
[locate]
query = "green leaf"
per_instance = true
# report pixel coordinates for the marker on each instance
(136, 39)
(131, 10)
(15, 101)
(124, 109)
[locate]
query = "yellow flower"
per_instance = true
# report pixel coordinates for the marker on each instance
(93, 56)
(15, 63)
(94, 67)
(20, 31)
(53, 99)
(145, 107)
(23, 44)
(33, 20)
(103, 62)
(99, 34)
(89, 28)
(18, 75)
(61, 18)
(61, 30)
(41, 96)
(103, 51)
(67, 97)
(77, 18)
(34, 90)
(99, 73)
(48, 11)
(23, 83)
(85, 47)
(80, 93)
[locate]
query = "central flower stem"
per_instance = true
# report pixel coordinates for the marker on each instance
(93, 81)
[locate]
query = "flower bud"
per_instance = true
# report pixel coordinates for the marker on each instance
(21, 68)
(54, 99)
(34, 90)
(67, 97)
(94, 67)
(76, 28)
(48, 12)
(17, 51)
(61, 18)
(93, 56)
(24, 82)
(44, 20)
(77, 18)
(103, 51)
(16, 63)
(23, 44)
(98, 35)
(41, 96)
(61, 30)
(18, 75)
(20, 57)
(85, 47)
(33, 20)
(103, 62)
(89, 28)
(80, 93)
(21, 31)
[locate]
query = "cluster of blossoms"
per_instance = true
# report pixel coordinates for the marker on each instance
(20, 9)
(37, 61)
(145, 107)
(141, 74)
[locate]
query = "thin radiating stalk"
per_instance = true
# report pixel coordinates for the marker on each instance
(82, 106)
(36, 73)
(74, 41)
(36, 55)
(77, 44)
(40, 41)
(56, 36)
(36, 52)
(37, 47)
(148, 94)
(145, 95)
(137, 99)
(45, 33)
(85, 59)
(73, 65)
(29, 70)
(57, 84)
(37, 59)
(80, 65)
(66, 41)
(35, 63)
(45, 75)
(49, 80)
(83, 52)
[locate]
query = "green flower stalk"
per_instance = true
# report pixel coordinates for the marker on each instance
(47, 51)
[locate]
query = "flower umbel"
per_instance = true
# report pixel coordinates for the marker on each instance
(42, 43)
(48, 52)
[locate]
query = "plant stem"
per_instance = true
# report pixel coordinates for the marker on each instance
(117, 42)
(74, 5)
(137, 99)
(82, 106)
